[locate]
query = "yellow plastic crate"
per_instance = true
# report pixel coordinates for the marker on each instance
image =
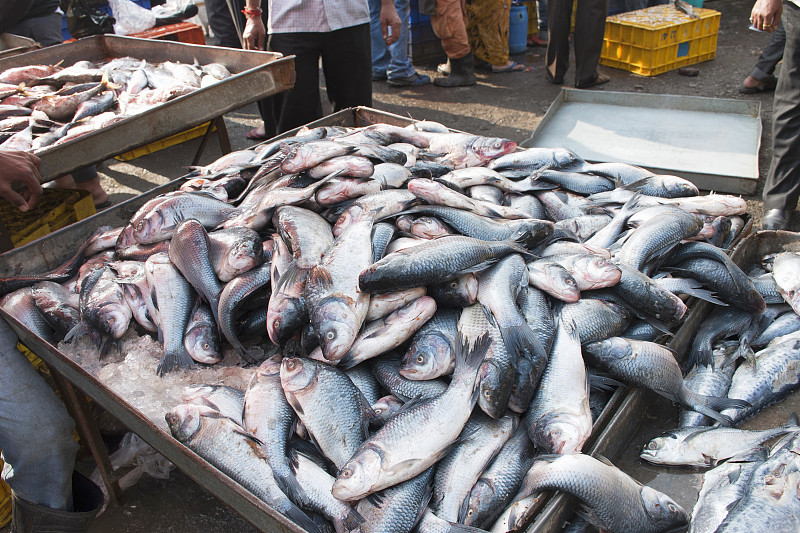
(657, 39)
(56, 209)
(172, 140)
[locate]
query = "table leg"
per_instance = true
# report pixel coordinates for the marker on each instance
(88, 430)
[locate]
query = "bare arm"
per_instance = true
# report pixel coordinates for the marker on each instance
(20, 168)
(254, 33)
(766, 14)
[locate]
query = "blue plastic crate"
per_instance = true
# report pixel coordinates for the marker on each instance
(416, 17)
(65, 28)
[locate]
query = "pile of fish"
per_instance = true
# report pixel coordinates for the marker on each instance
(46, 105)
(401, 277)
(724, 363)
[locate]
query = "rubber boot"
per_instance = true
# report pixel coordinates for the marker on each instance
(27, 517)
(462, 73)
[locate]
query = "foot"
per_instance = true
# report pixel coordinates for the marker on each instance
(753, 85)
(378, 76)
(597, 79)
(535, 40)
(510, 66)
(94, 187)
(555, 81)
(257, 134)
(415, 80)
(775, 219)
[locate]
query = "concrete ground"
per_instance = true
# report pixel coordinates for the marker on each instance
(503, 105)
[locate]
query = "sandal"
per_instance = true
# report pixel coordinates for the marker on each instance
(513, 67)
(597, 79)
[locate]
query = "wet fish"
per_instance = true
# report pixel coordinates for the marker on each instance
(382, 305)
(202, 337)
(395, 453)
(553, 279)
(21, 305)
(785, 271)
(234, 251)
(228, 447)
(287, 310)
(228, 401)
(523, 163)
(188, 251)
(459, 292)
(431, 353)
(398, 508)
(58, 306)
(103, 305)
(160, 222)
(386, 369)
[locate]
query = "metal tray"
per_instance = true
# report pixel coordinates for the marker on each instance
(255, 75)
(11, 45)
(713, 142)
(619, 420)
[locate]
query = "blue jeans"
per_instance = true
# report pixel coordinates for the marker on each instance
(392, 60)
(35, 431)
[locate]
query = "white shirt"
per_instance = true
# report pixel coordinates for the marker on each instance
(294, 16)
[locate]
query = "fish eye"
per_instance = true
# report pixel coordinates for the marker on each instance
(206, 346)
(672, 508)
(346, 473)
(420, 359)
(276, 323)
(111, 320)
(378, 411)
(291, 364)
(487, 393)
(470, 513)
(652, 445)
(330, 335)
(453, 284)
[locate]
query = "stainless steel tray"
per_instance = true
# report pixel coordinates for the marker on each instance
(11, 45)
(255, 75)
(713, 142)
(611, 431)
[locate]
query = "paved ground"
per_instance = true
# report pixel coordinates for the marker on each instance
(502, 105)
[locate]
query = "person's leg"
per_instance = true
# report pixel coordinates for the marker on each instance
(769, 58)
(45, 30)
(782, 187)
(400, 65)
(221, 23)
(559, 15)
(381, 55)
(86, 178)
(346, 64)
(590, 27)
(449, 25)
(301, 104)
(35, 431)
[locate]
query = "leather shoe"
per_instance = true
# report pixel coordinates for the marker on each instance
(775, 219)
(415, 80)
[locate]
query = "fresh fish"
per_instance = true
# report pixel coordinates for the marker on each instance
(202, 338)
(382, 235)
(535, 307)
(306, 233)
(573, 181)
(559, 420)
(647, 296)
(94, 105)
(527, 204)
(386, 369)
(58, 306)
(431, 353)
(330, 406)
(103, 305)
(436, 261)
(385, 408)
(499, 482)
(382, 305)
(595, 320)
(615, 501)
(388, 333)
(657, 236)
(553, 279)
(418, 436)
(362, 377)
(704, 446)
(287, 310)
(459, 292)
(310, 154)
(234, 251)
(439, 194)
(422, 227)
(783, 325)
(228, 401)
(337, 302)
(174, 299)
(523, 163)
(28, 73)
(728, 285)
(268, 416)
(723, 323)
(785, 272)
(464, 150)
(160, 222)
(773, 374)
(188, 251)
(465, 178)
(227, 446)
(654, 366)
(398, 508)
(488, 194)
(714, 380)
(21, 305)
(585, 226)
(456, 473)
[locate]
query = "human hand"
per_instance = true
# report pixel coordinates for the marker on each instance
(389, 19)
(766, 14)
(20, 168)
(254, 34)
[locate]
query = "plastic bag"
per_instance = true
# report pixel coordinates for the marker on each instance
(174, 11)
(136, 453)
(85, 18)
(131, 18)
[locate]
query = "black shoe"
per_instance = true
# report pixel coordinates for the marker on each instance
(415, 80)
(378, 76)
(775, 219)
(555, 81)
(597, 79)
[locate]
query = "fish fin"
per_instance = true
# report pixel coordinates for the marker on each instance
(522, 341)
(468, 358)
(79, 330)
(347, 361)
(712, 405)
(603, 459)
(450, 185)
(535, 182)
(591, 516)
(291, 487)
(170, 361)
(703, 294)
(299, 517)
(353, 520)
(321, 276)
(290, 276)
(602, 382)
(483, 265)
(407, 465)
(376, 499)
(793, 421)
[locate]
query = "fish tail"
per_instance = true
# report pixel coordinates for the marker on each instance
(711, 406)
(469, 357)
(523, 342)
(299, 517)
(174, 359)
(288, 483)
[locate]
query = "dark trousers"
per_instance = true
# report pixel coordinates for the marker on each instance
(782, 187)
(221, 23)
(590, 26)
(771, 55)
(346, 63)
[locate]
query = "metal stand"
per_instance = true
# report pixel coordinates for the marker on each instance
(87, 429)
(224, 140)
